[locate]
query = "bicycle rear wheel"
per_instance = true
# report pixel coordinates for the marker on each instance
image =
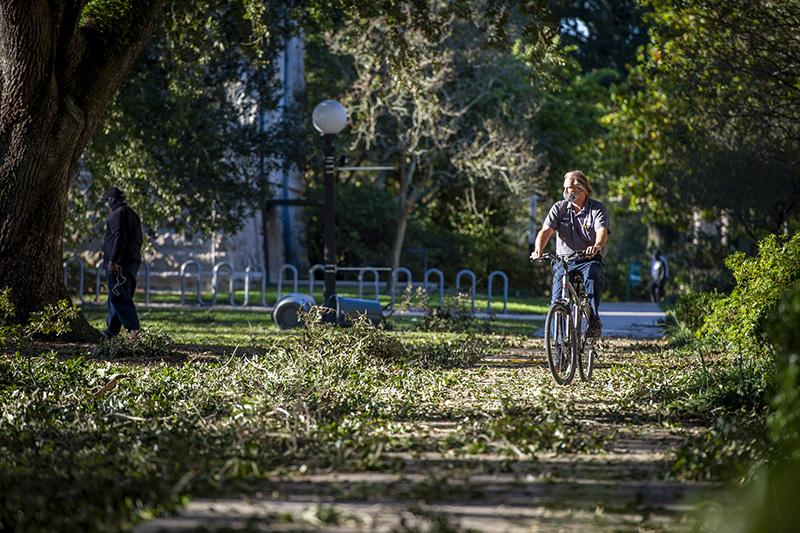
(559, 343)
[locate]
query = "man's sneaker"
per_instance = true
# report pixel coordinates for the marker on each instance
(595, 327)
(107, 335)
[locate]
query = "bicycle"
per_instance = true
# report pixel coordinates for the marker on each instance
(566, 344)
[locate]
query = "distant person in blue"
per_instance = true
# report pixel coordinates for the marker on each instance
(580, 224)
(122, 256)
(659, 273)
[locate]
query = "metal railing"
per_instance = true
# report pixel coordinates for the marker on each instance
(97, 281)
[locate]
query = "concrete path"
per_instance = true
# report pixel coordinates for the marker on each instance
(632, 320)
(629, 320)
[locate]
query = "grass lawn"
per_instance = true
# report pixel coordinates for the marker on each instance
(516, 304)
(238, 424)
(233, 326)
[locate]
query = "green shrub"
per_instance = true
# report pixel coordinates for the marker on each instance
(728, 450)
(739, 319)
(454, 315)
(784, 420)
(54, 319)
(146, 344)
(769, 501)
(692, 309)
(88, 445)
(373, 344)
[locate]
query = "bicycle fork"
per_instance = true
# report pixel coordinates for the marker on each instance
(579, 314)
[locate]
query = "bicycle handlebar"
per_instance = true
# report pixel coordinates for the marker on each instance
(551, 257)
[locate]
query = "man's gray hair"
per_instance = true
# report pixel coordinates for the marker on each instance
(581, 180)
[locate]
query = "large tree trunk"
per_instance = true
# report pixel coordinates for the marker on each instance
(56, 80)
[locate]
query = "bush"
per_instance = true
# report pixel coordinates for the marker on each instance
(691, 310)
(54, 319)
(768, 502)
(89, 444)
(454, 315)
(784, 420)
(146, 344)
(739, 320)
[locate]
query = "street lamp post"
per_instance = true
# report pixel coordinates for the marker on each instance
(329, 118)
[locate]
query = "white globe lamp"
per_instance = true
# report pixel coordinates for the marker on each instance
(329, 117)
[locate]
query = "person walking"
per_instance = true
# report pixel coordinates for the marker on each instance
(659, 272)
(122, 256)
(580, 224)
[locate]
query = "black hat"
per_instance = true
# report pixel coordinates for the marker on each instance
(114, 193)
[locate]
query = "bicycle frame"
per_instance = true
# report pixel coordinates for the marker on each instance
(571, 298)
(571, 313)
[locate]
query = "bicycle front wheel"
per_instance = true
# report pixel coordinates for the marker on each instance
(587, 357)
(585, 350)
(559, 343)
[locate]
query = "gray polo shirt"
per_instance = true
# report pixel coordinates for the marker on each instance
(576, 231)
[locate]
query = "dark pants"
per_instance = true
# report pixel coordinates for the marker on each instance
(656, 291)
(121, 311)
(592, 273)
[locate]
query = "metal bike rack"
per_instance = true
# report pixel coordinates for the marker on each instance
(215, 277)
(376, 281)
(79, 261)
(394, 280)
(263, 286)
(471, 274)
(501, 274)
(247, 271)
(311, 278)
(146, 282)
(440, 275)
(97, 283)
(184, 267)
(293, 270)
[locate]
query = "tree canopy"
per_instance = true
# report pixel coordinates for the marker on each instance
(712, 114)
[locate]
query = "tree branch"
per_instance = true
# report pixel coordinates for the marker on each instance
(108, 44)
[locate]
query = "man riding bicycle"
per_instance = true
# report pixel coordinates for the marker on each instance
(581, 225)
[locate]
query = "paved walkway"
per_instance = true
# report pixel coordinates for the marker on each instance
(630, 320)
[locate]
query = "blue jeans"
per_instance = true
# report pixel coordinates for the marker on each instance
(592, 273)
(121, 311)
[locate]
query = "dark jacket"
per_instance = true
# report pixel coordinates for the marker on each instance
(122, 243)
